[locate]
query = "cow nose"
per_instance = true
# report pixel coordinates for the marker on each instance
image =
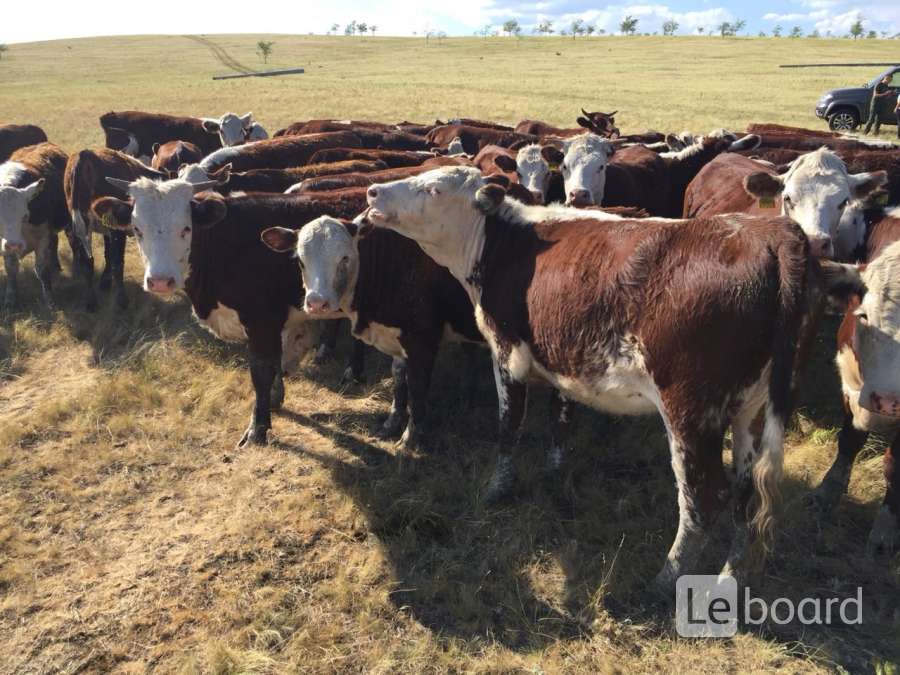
(820, 247)
(885, 404)
(13, 247)
(315, 303)
(372, 192)
(538, 196)
(579, 197)
(160, 284)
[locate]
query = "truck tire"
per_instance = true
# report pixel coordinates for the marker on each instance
(843, 119)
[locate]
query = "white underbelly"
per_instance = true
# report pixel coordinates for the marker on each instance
(384, 338)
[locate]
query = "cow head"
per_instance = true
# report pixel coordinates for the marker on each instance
(873, 293)
(232, 129)
(600, 123)
(329, 260)
(535, 165)
(455, 147)
(585, 159)
(162, 216)
(14, 215)
(814, 193)
(437, 209)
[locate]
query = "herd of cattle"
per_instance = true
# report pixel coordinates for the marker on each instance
(635, 274)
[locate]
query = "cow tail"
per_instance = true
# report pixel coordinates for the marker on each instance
(79, 186)
(768, 469)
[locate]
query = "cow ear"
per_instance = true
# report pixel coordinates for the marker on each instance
(505, 163)
(553, 156)
(247, 120)
(864, 183)
(354, 228)
(210, 126)
(279, 239)
(155, 148)
(208, 211)
(113, 213)
(498, 179)
(222, 175)
(748, 142)
(584, 122)
(489, 198)
(34, 189)
(673, 143)
(840, 281)
(763, 185)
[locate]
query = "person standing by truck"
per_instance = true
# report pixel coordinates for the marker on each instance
(880, 98)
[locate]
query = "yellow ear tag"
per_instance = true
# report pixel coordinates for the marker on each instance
(106, 221)
(767, 203)
(553, 167)
(882, 199)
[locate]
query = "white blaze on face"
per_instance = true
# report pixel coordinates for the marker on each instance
(877, 337)
(161, 221)
(14, 214)
(329, 262)
(584, 169)
(534, 171)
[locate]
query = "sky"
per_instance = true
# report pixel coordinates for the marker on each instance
(35, 20)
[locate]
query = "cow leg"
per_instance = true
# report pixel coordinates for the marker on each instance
(328, 341)
(276, 395)
(106, 274)
(53, 252)
(512, 401)
(703, 491)
(560, 438)
(11, 297)
(396, 421)
(354, 372)
(84, 265)
(44, 272)
(885, 529)
(850, 441)
(471, 354)
(117, 263)
(419, 366)
(265, 362)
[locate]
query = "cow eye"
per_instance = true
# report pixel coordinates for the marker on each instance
(787, 201)
(843, 205)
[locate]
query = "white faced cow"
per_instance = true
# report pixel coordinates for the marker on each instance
(584, 163)
(535, 165)
(233, 129)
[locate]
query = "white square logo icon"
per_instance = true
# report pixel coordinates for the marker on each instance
(706, 605)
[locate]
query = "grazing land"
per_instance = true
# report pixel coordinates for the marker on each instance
(135, 538)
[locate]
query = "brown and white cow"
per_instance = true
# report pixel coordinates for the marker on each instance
(814, 192)
(361, 179)
(475, 138)
(32, 213)
(210, 247)
(393, 158)
(868, 360)
(15, 136)
(168, 157)
(600, 123)
(694, 320)
(279, 180)
(84, 182)
(397, 299)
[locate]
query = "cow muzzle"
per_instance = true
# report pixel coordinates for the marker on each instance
(161, 285)
(821, 247)
(316, 303)
(883, 404)
(579, 198)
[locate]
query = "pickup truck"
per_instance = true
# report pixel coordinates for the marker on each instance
(846, 109)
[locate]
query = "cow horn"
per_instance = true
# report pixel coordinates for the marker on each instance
(585, 113)
(123, 185)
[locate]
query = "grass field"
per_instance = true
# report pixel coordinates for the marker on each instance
(134, 538)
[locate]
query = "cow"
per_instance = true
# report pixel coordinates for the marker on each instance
(637, 176)
(397, 299)
(209, 246)
(695, 320)
(168, 157)
(868, 361)
(324, 126)
(475, 138)
(393, 158)
(15, 136)
(134, 132)
(602, 124)
(778, 136)
(814, 192)
(32, 213)
(359, 179)
(85, 181)
(470, 122)
(279, 180)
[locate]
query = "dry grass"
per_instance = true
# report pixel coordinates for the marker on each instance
(134, 538)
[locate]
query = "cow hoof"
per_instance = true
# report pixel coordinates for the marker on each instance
(350, 377)
(411, 440)
(824, 499)
(393, 426)
(883, 535)
(255, 435)
(323, 355)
